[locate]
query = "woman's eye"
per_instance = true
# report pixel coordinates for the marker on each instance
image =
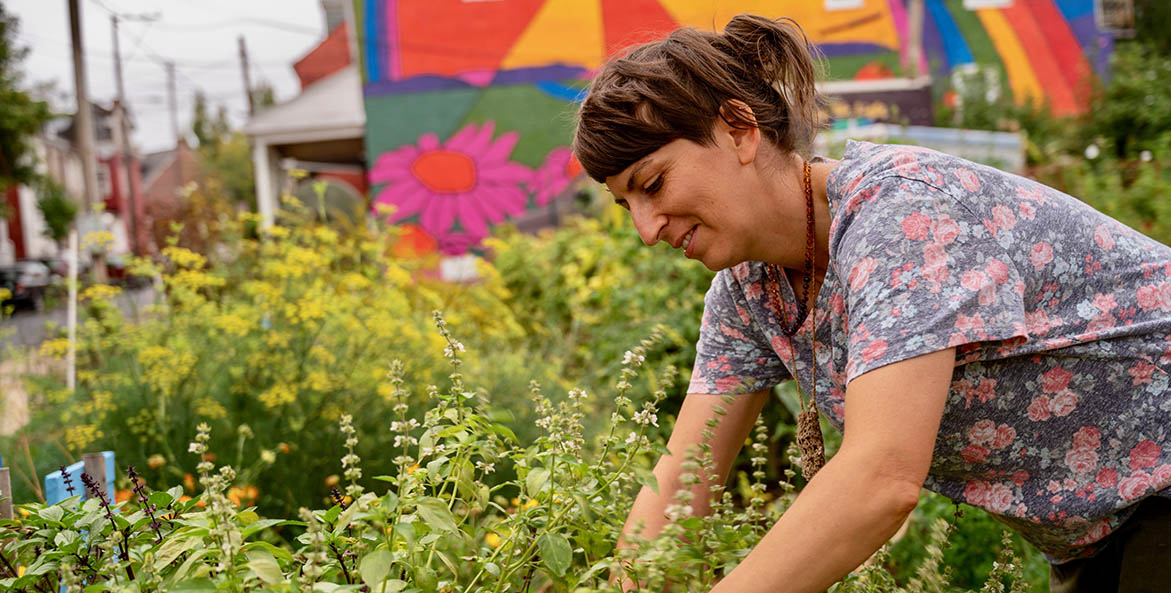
(656, 186)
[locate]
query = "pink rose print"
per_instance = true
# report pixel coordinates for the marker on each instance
(906, 163)
(1103, 237)
(876, 349)
(1005, 436)
(1056, 379)
(1097, 531)
(753, 291)
(1081, 461)
(1086, 438)
(1003, 217)
(945, 230)
(1134, 486)
(1027, 210)
(1041, 254)
(975, 454)
(1145, 454)
(1000, 498)
(732, 332)
(860, 272)
(976, 492)
(1155, 296)
(1106, 478)
(1161, 476)
(968, 179)
(1019, 478)
(916, 226)
(727, 384)
(973, 280)
(1063, 403)
(1039, 408)
(982, 432)
(1141, 372)
(1101, 323)
(1105, 302)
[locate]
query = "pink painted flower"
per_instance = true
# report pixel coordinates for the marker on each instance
(1145, 454)
(555, 175)
(973, 280)
(1141, 372)
(1041, 254)
(1161, 476)
(468, 180)
(1063, 403)
(916, 226)
(1027, 210)
(1055, 379)
(1134, 486)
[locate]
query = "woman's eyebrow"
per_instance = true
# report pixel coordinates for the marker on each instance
(633, 173)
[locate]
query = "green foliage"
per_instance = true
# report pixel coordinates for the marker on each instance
(1133, 111)
(21, 116)
(440, 523)
(225, 156)
(57, 209)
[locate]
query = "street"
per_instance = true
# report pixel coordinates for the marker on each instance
(27, 328)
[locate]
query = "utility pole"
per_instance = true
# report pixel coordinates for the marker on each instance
(247, 78)
(127, 159)
(83, 123)
(915, 37)
(172, 103)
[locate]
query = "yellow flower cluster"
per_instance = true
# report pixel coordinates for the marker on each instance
(99, 292)
(79, 436)
(277, 395)
(56, 348)
(97, 240)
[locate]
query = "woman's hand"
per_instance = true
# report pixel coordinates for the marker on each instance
(865, 492)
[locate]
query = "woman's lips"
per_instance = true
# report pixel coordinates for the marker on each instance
(689, 242)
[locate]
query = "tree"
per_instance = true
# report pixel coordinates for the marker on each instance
(21, 116)
(224, 155)
(56, 208)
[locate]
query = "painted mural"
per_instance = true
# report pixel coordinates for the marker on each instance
(469, 103)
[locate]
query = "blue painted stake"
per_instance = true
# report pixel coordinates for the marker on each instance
(55, 482)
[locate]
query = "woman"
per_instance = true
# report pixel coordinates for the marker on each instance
(971, 331)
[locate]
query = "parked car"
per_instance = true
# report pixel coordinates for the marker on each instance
(23, 295)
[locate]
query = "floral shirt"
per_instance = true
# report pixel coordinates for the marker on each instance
(1058, 413)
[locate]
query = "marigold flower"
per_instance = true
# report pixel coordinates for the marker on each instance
(492, 539)
(189, 482)
(122, 495)
(156, 461)
(332, 480)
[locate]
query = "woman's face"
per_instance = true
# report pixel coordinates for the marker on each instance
(702, 199)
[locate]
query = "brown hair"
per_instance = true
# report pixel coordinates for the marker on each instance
(675, 88)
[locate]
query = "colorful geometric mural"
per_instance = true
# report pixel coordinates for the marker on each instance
(469, 103)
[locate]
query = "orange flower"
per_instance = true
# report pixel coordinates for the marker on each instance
(243, 495)
(284, 447)
(156, 461)
(332, 480)
(122, 495)
(189, 482)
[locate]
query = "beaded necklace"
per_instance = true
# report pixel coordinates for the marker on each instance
(809, 439)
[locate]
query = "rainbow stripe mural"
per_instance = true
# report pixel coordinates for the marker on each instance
(469, 102)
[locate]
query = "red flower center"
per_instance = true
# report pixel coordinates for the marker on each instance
(445, 171)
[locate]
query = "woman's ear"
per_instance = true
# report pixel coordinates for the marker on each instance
(737, 126)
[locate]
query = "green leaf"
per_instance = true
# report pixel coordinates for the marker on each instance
(504, 431)
(392, 586)
(53, 513)
(161, 499)
(247, 518)
(171, 549)
(375, 567)
(556, 552)
(332, 513)
(536, 479)
(492, 568)
(261, 525)
(279, 553)
(98, 588)
(647, 478)
(389, 502)
(175, 492)
(203, 585)
(436, 514)
(263, 563)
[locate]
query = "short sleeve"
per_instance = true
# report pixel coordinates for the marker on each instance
(921, 274)
(732, 355)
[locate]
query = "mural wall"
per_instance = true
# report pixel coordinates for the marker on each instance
(469, 103)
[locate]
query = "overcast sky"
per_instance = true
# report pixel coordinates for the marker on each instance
(198, 35)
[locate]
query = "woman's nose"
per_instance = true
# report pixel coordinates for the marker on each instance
(648, 222)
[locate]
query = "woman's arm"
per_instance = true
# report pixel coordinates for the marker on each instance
(649, 508)
(859, 499)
